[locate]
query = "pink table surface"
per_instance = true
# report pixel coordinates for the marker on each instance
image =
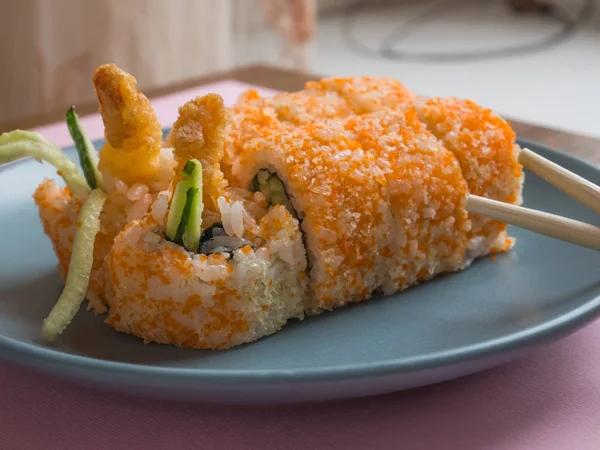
(548, 400)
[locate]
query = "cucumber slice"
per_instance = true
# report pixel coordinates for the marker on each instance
(272, 188)
(184, 223)
(260, 183)
(80, 267)
(186, 231)
(278, 194)
(254, 186)
(88, 156)
(19, 144)
(176, 209)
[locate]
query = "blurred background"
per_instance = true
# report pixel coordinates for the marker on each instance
(531, 60)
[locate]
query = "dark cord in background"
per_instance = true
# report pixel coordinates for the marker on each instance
(569, 25)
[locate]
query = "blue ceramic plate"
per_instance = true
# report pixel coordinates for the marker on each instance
(458, 324)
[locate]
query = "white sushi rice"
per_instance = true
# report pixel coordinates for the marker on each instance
(232, 216)
(162, 293)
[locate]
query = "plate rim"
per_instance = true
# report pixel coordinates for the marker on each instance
(553, 329)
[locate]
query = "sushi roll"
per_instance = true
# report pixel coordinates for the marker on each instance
(246, 218)
(380, 199)
(483, 143)
(242, 278)
(230, 292)
(198, 265)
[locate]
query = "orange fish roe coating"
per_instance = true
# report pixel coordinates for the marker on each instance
(161, 293)
(59, 210)
(365, 189)
(483, 143)
(485, 146)
(361, 94)
(425, 191)
(251, 118)
(257, 117)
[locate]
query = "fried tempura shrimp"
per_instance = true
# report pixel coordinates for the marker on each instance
(199, 133)
(133, 133)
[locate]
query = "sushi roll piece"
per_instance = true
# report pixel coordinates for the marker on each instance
(483, 143)
(485, 146)
(132, 168)
(240, 279)
(381, 202)
(230, 292)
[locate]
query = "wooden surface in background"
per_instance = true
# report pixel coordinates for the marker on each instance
(286, 80)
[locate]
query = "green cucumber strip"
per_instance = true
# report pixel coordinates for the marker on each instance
(20, 144)
(80, 267)
(272, 188)
(186, 217)
(254, 186)
(193, 231)
(184, 223)
(88, 156)
(278, 194)
(176, 209)
(260, 183)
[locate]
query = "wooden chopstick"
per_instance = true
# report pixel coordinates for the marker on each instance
(551, 225)
(579, 188)
(558, 227)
